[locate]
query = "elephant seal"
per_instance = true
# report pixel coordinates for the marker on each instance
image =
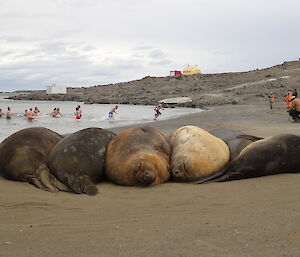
(236, 140)
(24, 155)
(138, 156)
(196, 153)
(78, 159)
(272, 155)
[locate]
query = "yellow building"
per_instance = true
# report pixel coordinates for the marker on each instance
(191, 70)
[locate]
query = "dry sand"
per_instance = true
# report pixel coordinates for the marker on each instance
(257, 217)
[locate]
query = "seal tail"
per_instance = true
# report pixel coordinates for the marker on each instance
(219, 176)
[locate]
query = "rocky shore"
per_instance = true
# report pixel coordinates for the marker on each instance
(203, 89)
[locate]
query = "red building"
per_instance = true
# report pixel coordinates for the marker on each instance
(175, 73)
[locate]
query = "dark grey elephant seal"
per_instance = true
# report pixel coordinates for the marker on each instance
(272, 155)
(78, 159)
(23, 157)
(236, 140)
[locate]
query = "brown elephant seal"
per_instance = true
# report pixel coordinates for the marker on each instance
(138, 156)
(24, 155)
(272, 155)
(78, 159)
(236, 140)
(196, 153)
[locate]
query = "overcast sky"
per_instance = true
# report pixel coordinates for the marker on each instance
(91, 42)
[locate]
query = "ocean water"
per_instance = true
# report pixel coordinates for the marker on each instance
(94, 115)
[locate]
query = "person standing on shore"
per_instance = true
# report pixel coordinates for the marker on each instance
(112, 111)
(157, 109)
(295, 93)
(271, 99)
(288, 97)
(8, 113)
(1, 113)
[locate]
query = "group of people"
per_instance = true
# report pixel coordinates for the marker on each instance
(32, 113)
(8, 113)
(292, 103)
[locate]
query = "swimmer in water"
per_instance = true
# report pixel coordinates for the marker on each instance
(8, 113)
(30, 114)
(112, 111)
(1, 113)
(78, 113)
(37, 112)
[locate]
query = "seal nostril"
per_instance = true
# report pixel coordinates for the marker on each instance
(176, 173)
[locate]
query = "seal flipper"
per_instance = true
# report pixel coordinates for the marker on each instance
(34, 181)
(214, 177)
(48, 181)
(82, 184)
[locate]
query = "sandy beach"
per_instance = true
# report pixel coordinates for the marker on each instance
(247, 218)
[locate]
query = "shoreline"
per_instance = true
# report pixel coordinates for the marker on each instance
(252, 217)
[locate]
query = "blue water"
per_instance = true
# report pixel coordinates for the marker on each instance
(94, 115)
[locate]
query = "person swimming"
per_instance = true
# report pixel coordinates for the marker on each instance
(112, 111)
(1, 113)
(78, 113)
(30, 114)
(8, 113)
(37, 112)
(55, 113)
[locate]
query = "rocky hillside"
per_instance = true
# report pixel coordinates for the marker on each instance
(204, 89)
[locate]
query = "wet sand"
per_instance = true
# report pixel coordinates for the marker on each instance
(255, 217)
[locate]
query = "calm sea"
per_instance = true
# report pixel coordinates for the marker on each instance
(94, 115)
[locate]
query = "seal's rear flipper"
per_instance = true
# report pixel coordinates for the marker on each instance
(82, 185)
(218, 176)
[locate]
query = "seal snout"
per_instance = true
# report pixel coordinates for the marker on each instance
(176, 173)
(146, 177)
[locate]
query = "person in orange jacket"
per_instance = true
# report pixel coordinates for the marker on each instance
(271, 99)
(288, 97)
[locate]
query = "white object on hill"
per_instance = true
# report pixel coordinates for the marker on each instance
(176, 100)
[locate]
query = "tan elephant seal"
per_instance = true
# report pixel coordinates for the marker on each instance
(196, 153)
(78, 159)
(23, 157)
(138, 156)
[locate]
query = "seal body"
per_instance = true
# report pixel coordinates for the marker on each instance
(24, 155)
(138, 157)
(196, 153)
(78, 159)
(272, 155)
(236, 140)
